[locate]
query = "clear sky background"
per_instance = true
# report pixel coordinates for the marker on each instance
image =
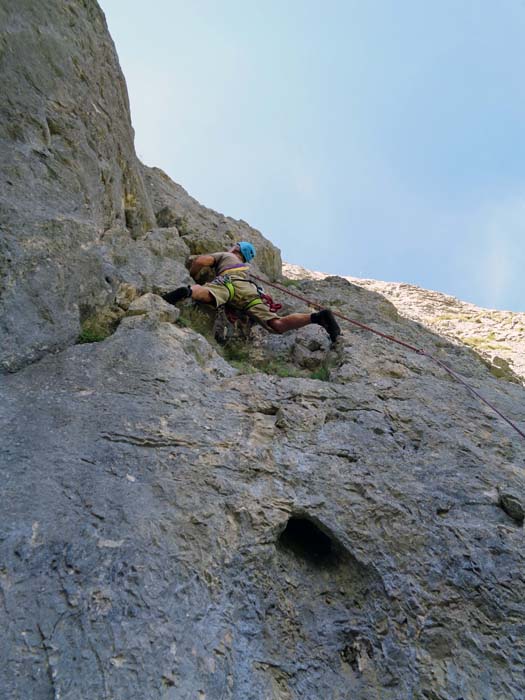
(374, 138)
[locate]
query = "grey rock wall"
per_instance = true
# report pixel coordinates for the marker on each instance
(203, 229)
(175, 525)
(496, 336)
(77, 220)
(69, 171)
(175, 529)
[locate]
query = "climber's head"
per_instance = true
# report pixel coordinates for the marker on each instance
(246, 250)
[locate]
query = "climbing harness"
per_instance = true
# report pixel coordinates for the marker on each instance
(274, 306)
(393, 339)
(264, 299)
(227, 280)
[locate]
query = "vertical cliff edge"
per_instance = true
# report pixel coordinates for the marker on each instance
(74, 208)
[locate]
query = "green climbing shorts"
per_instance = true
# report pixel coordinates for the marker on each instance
(245, 292)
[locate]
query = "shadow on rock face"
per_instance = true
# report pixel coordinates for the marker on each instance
(307, 541)
(322, 621)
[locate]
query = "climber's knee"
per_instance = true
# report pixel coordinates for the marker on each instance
(277, 325)
(200, 293)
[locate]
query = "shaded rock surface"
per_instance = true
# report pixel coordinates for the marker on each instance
(278, 518)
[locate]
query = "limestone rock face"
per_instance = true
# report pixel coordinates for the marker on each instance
(276, 518)
(69, 171)
(76, 217)
(203, 229)
(153, 305)
(496, 336)
(174, 528)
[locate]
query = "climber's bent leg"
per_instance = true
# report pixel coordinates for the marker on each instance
(195, 291)
(200, 293)
(288, 323)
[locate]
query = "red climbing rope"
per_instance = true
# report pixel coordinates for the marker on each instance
(391, 338)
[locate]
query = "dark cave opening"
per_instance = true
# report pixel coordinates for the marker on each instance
(307, 541)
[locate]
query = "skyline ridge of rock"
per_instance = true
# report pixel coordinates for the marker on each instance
(497, 336)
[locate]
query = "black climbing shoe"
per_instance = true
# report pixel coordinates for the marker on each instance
(326, 319)
(177, 295)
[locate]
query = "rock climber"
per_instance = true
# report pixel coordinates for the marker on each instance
(232, 286)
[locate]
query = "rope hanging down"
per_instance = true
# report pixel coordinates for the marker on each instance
(392, 339)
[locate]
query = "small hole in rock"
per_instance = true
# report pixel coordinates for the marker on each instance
(305, 539)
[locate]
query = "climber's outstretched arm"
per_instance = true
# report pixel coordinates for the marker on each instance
(199, 262)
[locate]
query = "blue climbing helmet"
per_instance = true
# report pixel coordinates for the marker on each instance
(247, 250)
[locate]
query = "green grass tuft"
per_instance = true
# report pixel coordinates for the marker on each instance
(322, 374)
(100, 325)
(93, 332)
(287, 282)
(181, 222)
(279, 368)
(236, 353)
(243, 367)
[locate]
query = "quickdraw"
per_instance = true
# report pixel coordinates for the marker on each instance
(272, 305)
(227, 282)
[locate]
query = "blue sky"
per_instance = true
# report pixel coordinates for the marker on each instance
(379, 139)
